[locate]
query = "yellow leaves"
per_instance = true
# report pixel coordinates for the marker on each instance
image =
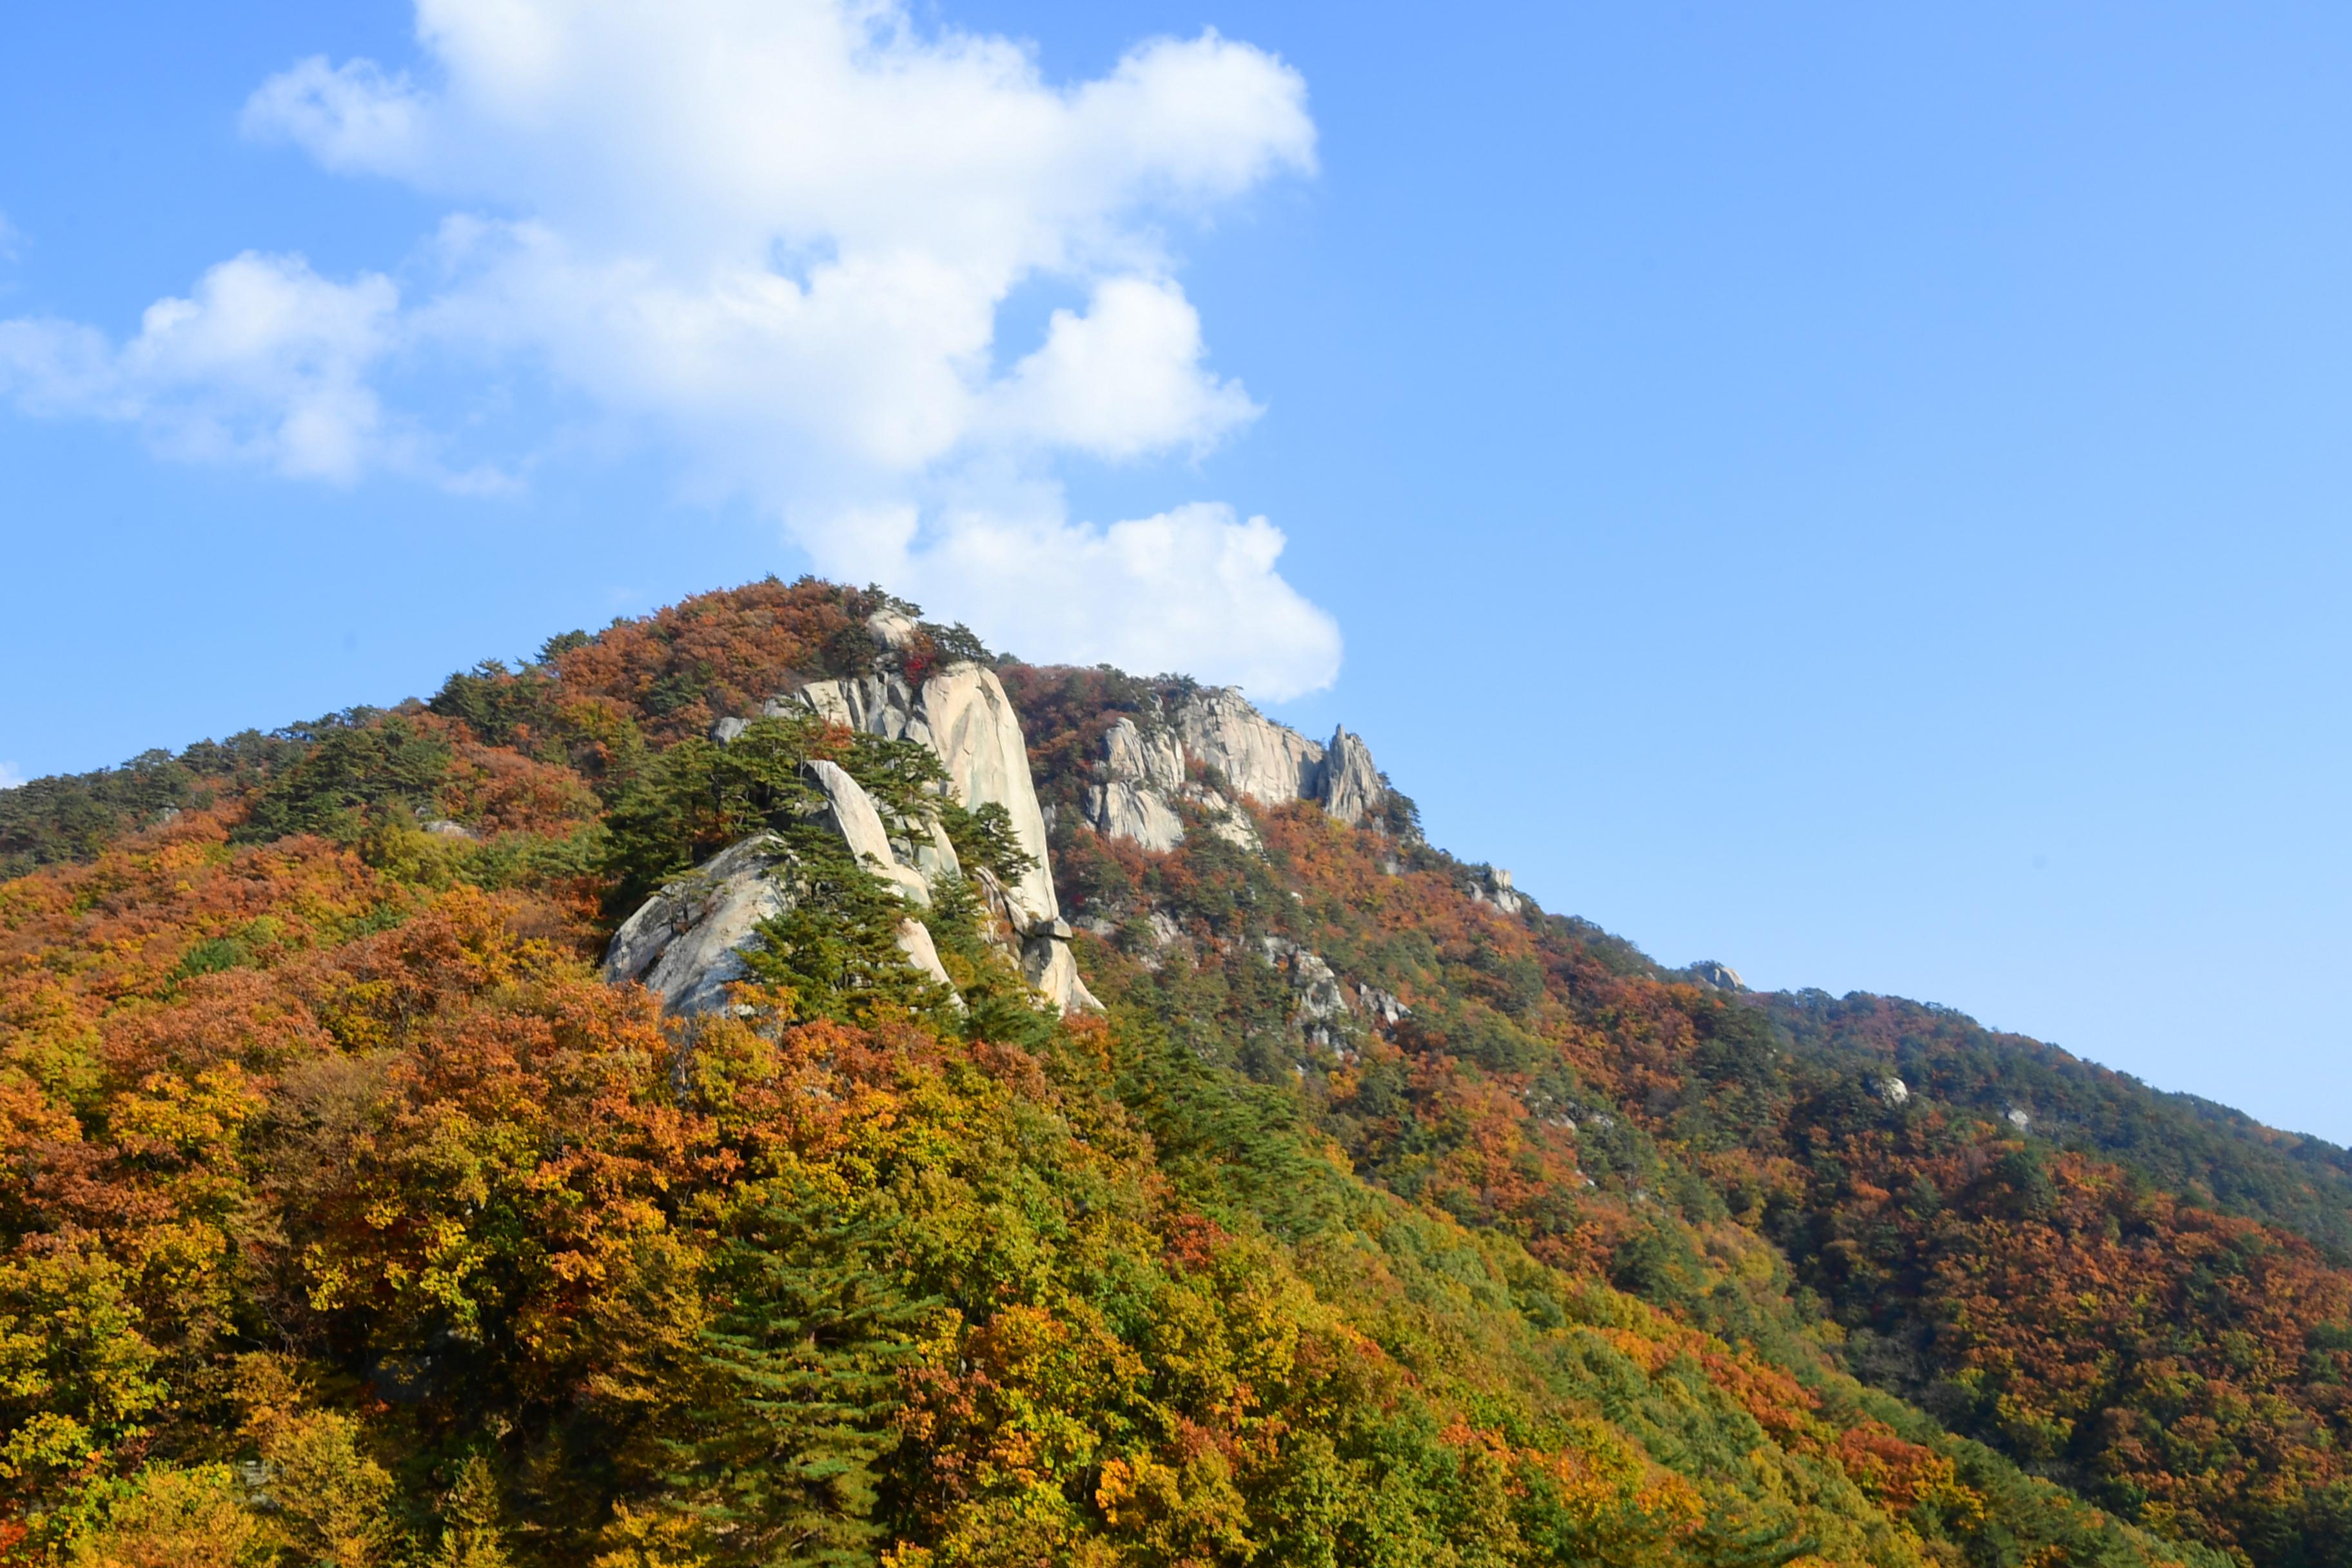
(191, 1119)
(334, 1500)
(647, 1538)
(1190, 1511)
(1648, 1353)
(170, 1518)
(77, 1378)
(1901, 1476)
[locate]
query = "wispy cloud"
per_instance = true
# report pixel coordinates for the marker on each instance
(11, 776)
(777, 237)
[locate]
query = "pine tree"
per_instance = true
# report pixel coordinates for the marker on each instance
(783, 1466)
(835, 948)
(470, 1527)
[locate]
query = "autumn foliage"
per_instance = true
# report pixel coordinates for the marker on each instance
(346, 1216)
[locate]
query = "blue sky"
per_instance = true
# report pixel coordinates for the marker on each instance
(1860, 495)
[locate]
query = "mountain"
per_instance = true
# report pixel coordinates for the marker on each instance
(770, 1081)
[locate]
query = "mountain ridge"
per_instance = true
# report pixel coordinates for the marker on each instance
(1668, 1271)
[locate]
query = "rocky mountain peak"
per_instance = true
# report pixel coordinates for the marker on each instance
(1146, 768)
(960, 714)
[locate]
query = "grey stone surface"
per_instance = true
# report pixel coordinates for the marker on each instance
(963, 714)
(915, 942)
(684, 943)
(1492, 885)
(1267, 762)
(1152, 758)
(850, 813)
(1122, 808)
(1348, 786)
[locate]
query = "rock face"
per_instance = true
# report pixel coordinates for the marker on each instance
(1492, 885)
(850, 812)
(1143, 774)
(1268, 762)
(963, 714)
(1145, 771)
(1721, 976)
(685, 942)
(1348, 785)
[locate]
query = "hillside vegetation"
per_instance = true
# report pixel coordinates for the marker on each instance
(348, 1218)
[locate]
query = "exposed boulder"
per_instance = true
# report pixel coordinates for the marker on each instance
(850, 812)
(1154, 759)
(1719, 976)
(1320, 997)
(1322, 1006)
(963, 716)
(1892, 1091)
(685, 944)
(890, 629)
(1120, 808)
(915, 942)
(1492, 885)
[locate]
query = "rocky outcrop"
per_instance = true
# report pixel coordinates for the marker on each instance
(1146, 770)
(1492, 885)
(1122, 808)
(1142, 772)
(1267, 762)
(1348, 785)
(1383, 1004)
(685, 944)
(963, 715)
(850, 812)
(1717, 976)
(1319, 995)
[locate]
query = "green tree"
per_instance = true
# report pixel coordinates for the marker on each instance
(784, 1464)
(835, 947)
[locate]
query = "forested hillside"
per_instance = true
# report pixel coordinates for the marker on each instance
(1378, 1216)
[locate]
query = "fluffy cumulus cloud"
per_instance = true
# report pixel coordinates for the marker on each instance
(265, 360)
(778, 237)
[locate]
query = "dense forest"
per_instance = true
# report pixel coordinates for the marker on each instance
(349, 1218)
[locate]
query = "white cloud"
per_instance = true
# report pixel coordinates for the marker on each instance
(1195, 580)
(11, 776)
(265, 360)
(1123, 379)
(777, 235)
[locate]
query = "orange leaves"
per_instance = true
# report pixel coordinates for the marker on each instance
(1901, 1474)
(721, 653)
(495, 790)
